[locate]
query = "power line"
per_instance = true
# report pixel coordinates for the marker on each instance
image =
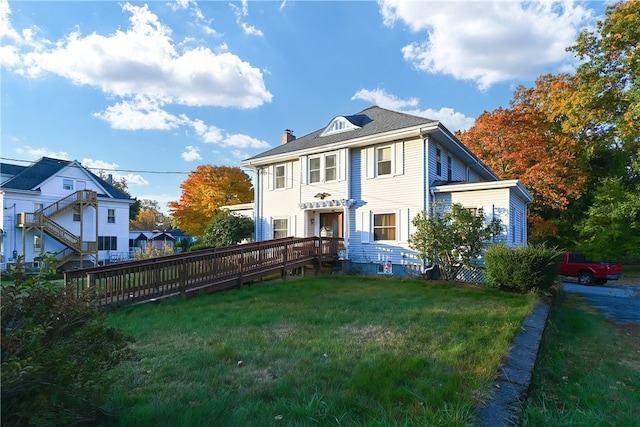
(110, 170)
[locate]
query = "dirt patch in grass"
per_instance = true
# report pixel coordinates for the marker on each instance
(375, 334)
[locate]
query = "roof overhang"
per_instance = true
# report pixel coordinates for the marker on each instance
(513, 184)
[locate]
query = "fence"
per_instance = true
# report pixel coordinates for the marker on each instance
(202, 271)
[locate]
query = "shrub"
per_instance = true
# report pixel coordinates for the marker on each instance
(521, 269)
(57, 353)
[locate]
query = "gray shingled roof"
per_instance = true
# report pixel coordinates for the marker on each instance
(372, 121)
(30, 177)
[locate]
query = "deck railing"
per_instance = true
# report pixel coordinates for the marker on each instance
(201, 271)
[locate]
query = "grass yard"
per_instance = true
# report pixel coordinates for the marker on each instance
(588, 371)
(325, 351)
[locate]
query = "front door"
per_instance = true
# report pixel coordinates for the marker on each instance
(331, 224)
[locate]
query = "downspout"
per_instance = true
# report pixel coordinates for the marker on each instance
(346, 227)
(426, 191)
(258, 214)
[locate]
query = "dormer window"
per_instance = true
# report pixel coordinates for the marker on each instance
(337, 125)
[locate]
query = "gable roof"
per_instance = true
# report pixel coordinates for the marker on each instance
(28, 178)
(371, 121)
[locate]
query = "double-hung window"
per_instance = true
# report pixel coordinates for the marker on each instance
(280, 176)
(438, 162)
(111, 216)
(384, 226)
(331, 167)
(314, 170)
(383, 161)
(280, 228)
(67, 184)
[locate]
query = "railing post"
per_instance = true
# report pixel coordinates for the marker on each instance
(241, 262)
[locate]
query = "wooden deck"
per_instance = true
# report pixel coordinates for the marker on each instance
(204, 271)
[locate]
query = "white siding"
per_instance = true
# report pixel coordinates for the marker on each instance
(400, 193)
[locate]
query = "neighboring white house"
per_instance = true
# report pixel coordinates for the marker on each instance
(364, 177)
(59, 207)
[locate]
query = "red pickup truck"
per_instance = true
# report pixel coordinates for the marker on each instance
(574, 264)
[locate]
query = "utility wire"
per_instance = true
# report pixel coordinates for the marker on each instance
(110, 170)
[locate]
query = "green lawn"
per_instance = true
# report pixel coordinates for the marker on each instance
(326, 351)
(588, 370)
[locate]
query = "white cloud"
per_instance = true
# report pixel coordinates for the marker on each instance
(111, 169)
(488, 42)
(209, 134)
(451, 119)
(243, 12)
(142, 61)
(191, 154)
(239, 154)
(36, 153)
(139, 113)
(243, 141)
(382, 99)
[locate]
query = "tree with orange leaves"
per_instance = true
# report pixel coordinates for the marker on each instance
(521, 144)
(205, 191)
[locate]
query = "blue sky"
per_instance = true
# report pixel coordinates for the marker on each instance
(149, 91)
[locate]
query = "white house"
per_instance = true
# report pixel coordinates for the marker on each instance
(364, 177)
(59, 207)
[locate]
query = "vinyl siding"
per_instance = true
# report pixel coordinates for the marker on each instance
(493, 202)
(400, 193)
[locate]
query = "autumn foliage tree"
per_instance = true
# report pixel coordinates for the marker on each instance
(609, 90)
(205, 191)
(521, 144)
(150, 217)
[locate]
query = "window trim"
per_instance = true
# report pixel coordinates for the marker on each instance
(390, 160)
(334, 167)
(111, 216)
(393, 227)
(67, 184)
(112, 243)
(286, 229)
(318, 170)
(438, 161)
(283, 177)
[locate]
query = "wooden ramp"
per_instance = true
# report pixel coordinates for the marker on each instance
(204, 271)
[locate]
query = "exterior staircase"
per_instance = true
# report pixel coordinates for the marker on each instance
(42, 220)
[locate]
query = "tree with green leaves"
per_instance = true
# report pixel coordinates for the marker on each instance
(226, 229)
(611, 229)
(452, 237)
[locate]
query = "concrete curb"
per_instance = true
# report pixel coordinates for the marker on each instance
(514, 377)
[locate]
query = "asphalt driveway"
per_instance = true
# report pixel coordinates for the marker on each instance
(618, 301)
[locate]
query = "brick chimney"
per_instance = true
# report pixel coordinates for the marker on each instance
(287, 136)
